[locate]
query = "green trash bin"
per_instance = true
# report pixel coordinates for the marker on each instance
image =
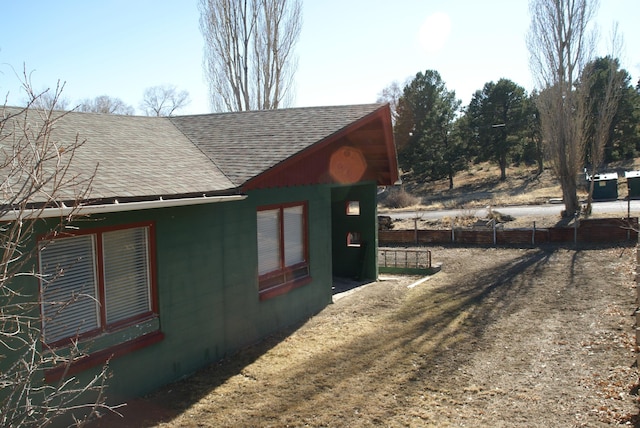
(605, 186)
(633, 183)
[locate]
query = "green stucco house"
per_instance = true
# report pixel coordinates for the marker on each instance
(203, 234)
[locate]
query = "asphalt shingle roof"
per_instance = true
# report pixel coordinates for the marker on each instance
(246, 144)
(139, 157)
(134, 156)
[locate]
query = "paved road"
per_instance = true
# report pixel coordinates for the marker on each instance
(617, 208)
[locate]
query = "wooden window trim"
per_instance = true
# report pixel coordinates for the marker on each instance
(102, 356)
(286, 278)
(284, 288)
(153, 292)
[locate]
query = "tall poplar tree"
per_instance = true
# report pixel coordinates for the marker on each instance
(560, 45)
(249, 56)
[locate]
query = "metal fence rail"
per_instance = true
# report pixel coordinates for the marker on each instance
(404, 258)
(584, 231)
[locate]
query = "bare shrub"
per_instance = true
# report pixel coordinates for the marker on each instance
(498, 217)
(35, 176)
(399, 198)
(467, 218)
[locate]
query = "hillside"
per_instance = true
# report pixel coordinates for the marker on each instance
(480, 186)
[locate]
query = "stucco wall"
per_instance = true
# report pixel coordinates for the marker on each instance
(209, 307)
(355, 262)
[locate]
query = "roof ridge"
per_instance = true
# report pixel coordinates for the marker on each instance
(286, 109)
(213, 161)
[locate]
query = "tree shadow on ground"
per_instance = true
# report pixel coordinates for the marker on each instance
(430, 328)
(439, 330)
(430, 321)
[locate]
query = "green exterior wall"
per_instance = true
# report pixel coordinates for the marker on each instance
(355, 262)
(206, 272)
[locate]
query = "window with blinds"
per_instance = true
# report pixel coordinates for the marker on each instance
(69, 287)
(76, 300)
(268, 241)
(126, 273)
(293, 221)
(282, 244)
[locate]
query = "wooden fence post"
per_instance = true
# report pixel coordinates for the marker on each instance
(453, 233)
(493, 221)
(533, 234)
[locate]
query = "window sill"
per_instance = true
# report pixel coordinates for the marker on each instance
(280, 289)
(100, 357)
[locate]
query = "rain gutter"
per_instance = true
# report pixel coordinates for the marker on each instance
(116, 206)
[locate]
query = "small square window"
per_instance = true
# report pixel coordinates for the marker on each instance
(353, 208)
(354, 239)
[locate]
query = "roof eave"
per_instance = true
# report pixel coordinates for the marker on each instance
(113, 207)
(382, 114)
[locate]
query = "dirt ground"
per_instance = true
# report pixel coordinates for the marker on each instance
(500, 337)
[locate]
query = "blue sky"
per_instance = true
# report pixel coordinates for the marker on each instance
(349, 50)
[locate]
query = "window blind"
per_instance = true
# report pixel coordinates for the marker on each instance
(268, 241)
(293, 235)
(69, 289)
(126, 273)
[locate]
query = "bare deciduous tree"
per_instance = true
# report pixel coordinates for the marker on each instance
(48, 99)
(605, 88)
(105, 104)
(35, 175)
(163, 100)
(391, 94)
(560, 45)
(249, 52)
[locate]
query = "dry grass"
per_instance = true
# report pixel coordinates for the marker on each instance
(480, 187)
(498, 338)
(398, 197)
